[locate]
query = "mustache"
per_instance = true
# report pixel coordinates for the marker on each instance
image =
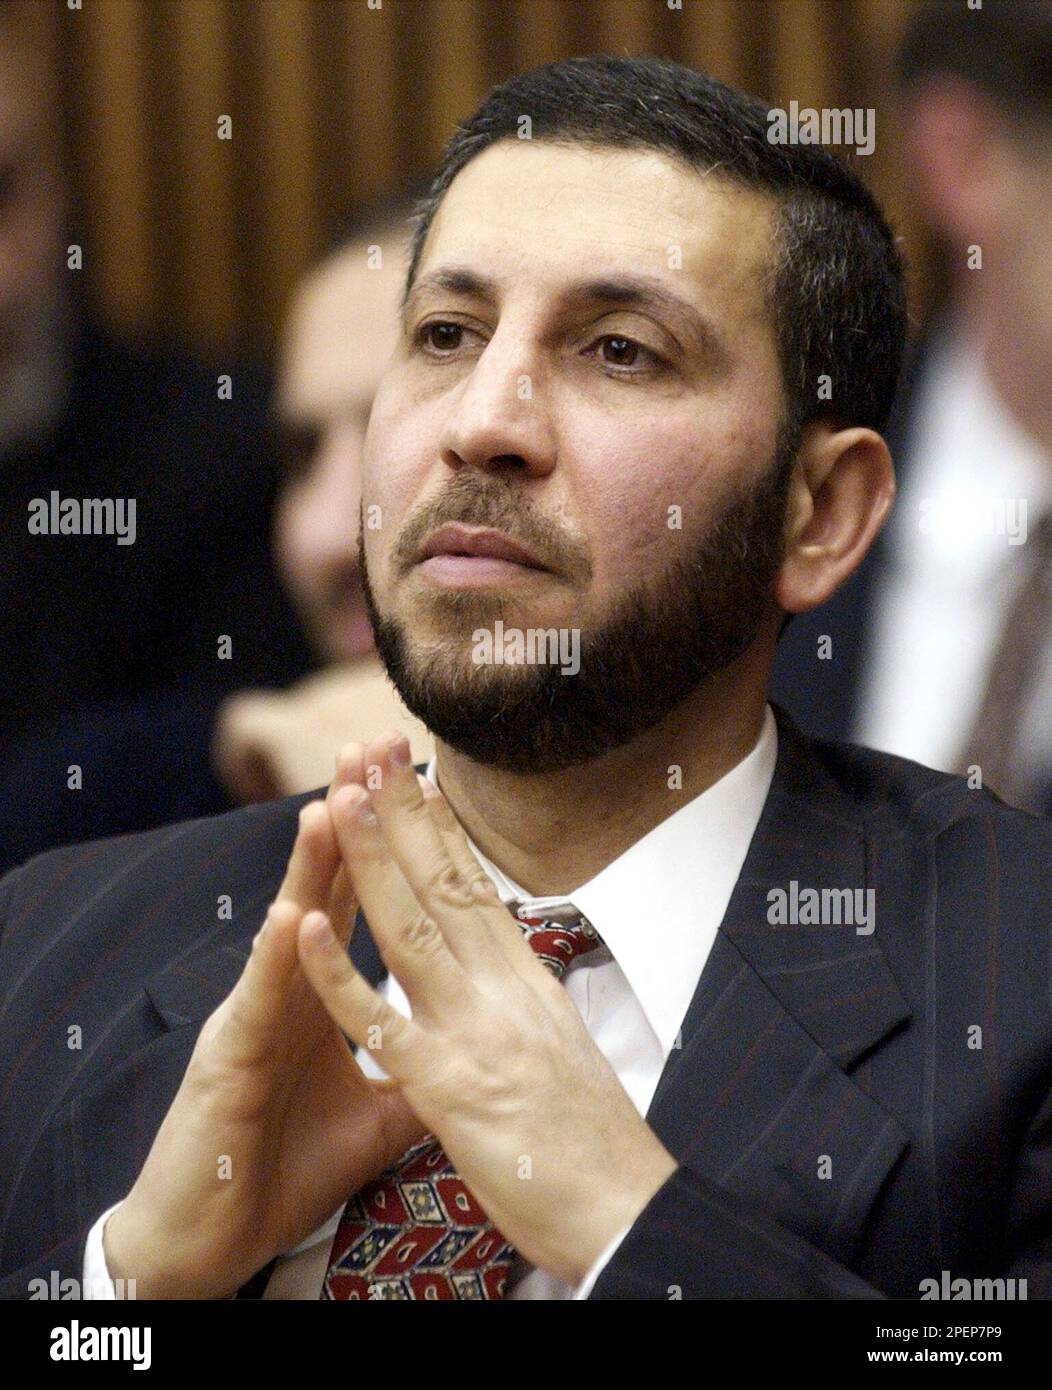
(464, 503)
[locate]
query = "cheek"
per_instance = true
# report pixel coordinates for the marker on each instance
(658, 486)
(399, 444)
(401, 472)
(642, 471)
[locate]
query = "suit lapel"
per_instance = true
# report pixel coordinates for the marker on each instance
(758, 1097)
(189, 988)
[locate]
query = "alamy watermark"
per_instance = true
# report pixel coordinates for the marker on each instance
(823, 907)
(59, 1289)
(832, 125)
(76, 1343)
(536, 646)
(996, 1290)
(957, 515)
(83, 516)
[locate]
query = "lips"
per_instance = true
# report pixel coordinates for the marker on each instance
(477, 543)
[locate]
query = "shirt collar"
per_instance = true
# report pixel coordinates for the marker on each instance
(676, 882)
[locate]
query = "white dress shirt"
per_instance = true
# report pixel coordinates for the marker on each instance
(956, 569)
(676, 881)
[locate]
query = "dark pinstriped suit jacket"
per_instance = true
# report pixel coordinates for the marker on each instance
(837, 1135)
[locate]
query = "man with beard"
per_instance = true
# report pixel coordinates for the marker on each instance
(645, 361)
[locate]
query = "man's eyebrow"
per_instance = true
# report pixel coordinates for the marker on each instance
(628, 291)
(638, 292)
(454, 280)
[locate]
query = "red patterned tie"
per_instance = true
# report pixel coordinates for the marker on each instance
(416, 1231)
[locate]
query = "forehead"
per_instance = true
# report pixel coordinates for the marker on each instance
(541, 214)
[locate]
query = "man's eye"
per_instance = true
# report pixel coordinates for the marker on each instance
(618, 351)
(440, 336)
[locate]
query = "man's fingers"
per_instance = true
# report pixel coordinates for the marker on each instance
(314, 878)
(342, 905)
(350, 767)
(409, 939)
(315, 856)
(254, 1012)
(458, 894)
(314, 859)
(519, 953)
(363, 1014)
(455, 888)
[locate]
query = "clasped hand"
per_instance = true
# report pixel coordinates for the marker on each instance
(495, 1060)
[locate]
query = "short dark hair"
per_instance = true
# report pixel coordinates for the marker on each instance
(1004, 49)
(836, 285)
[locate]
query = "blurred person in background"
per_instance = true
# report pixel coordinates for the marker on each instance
(341, 330)
(264, 742)
(941, 645)
(111, 668)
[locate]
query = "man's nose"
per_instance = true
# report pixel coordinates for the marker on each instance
(500, 413)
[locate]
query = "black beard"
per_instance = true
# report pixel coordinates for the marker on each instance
(664, 638)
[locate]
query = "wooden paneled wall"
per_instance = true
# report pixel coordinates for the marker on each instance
(335, 102)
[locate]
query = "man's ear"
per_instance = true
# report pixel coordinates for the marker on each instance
(840, 494)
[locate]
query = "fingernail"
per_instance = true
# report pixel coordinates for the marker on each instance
(400, 752)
